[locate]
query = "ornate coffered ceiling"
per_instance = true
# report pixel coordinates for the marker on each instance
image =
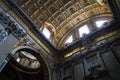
(63, 15)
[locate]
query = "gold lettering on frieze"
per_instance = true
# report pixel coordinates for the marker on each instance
(74, 51)
(107, 35)
(19, 42)
(96, 40)
(25, 27)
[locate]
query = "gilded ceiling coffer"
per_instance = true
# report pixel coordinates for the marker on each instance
(63, 15)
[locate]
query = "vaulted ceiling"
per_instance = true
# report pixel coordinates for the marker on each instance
(63, 15)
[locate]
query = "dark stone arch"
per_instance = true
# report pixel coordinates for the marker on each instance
(40, 73)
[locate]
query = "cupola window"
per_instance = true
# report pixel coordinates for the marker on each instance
(46, 33)
(101, 23)
(83, 30)
(69, 40)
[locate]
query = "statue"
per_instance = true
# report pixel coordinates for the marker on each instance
(85, 41)
(4, 33)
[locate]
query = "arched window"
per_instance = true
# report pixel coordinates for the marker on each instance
(69, 40)
(83, 30)
(101, 23)
(46, 33)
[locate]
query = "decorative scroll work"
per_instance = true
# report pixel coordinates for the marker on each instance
(10, 27)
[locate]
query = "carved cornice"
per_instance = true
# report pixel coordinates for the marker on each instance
(35, 34)
(64, 15)
(95, 40)
(26, 28)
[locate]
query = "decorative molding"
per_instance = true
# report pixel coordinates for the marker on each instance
(64, 15)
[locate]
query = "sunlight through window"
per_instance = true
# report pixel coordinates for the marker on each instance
(18, 59)
(69, 40)
(46, 32)
(100, 23)
(83, 30)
